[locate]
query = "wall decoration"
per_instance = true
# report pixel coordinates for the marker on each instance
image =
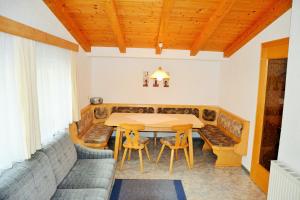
(145, 79)
(155, 83)
(166, 81)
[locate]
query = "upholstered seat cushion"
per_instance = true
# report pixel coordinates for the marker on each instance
(98, 133)
(216, 137)
(81, 194)
(142, 140)
(90, 173)
(32, 179)
(168, 141)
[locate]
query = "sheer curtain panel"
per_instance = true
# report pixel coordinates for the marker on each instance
(54, 85)
(12, 145)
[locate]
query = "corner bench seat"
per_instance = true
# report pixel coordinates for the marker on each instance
(228, 139)
(216, 137)
(98, 133)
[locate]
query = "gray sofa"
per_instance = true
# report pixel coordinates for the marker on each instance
(61, 170)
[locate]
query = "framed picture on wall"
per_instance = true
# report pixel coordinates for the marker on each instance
(145, 79)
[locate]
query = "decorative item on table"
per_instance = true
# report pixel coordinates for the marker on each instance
(96, 100)
(145, 79)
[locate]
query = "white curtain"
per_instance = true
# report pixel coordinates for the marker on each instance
(54, 89)
(26, 76)
(12, 146)
(75, 105)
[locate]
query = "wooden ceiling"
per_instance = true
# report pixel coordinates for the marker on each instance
(195, 25)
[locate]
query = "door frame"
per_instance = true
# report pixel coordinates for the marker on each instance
(269, 50)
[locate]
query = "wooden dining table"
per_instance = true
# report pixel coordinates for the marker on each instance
(153, 122)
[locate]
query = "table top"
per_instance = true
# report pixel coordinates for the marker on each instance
(154, 120)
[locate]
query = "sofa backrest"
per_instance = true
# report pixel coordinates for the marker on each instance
(32, 179)
(62, 156)
(169, 110)
(132, 109)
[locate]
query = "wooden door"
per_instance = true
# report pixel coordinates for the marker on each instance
(269, 109)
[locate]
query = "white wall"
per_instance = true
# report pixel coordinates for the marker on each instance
(289, 148)
(119, 80)
(83, 78)
(240, 75)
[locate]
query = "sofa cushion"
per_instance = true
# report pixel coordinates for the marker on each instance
(216, 136)
(81, 194)
(62, 156)
(98, 133)
(90, 173)
(128, 109)
(194, 111)
(233, 126)
(32, 179)
(209, 115)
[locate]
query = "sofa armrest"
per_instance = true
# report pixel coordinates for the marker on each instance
(89, 153)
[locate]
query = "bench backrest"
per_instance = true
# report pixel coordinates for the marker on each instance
(236, 128)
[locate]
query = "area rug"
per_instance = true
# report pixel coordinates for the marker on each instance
(147, 189)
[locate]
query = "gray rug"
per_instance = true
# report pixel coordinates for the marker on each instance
(147, 189)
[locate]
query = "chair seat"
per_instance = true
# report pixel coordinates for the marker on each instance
(216, 137)
(170, 141)
(98, 134)
(142, 140)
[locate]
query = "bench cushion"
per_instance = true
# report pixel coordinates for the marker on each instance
(233, 126)
(85, 122)
(32, 179)
(216, 137)
(101, 113)
(62, 156)
(128, 109)
(194, 111)
(98, 133)
(209, 115)
(90, 173)
(81, 194)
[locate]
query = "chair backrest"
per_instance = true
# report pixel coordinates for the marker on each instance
(181, 134)
(132, 133)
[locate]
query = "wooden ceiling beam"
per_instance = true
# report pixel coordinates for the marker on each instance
(276, 9)
(57, 7)
(164, 18)
(210, 27)
(112, 14)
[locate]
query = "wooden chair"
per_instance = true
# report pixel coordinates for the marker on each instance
(134, 141)
(180, 141)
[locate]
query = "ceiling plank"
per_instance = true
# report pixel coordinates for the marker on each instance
(57, 7)
(15, 28)
(276, 9)
(112, 14)
(212, 24)
(165, 14)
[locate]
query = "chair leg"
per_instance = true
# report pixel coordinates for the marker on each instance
(155, 137)
(147, 152)
(121, 141)
(161, 151)
(187, 157)
(141, 160)
(171, 161)
(124, 156)
(176, 154)
(129, 154)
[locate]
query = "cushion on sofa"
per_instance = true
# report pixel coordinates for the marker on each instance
(194, 111)
(233, 126)
(81, 194)
(216, 136)
(209, 115)
(129, 109)
(90, 173)
(98, 133)
(32, 179)
(62, 156)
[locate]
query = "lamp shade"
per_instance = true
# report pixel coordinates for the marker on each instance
(160, 74)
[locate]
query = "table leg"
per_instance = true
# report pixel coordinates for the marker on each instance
(191, 150)
(117, 141)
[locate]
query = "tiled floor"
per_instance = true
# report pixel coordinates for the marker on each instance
(203, 182)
